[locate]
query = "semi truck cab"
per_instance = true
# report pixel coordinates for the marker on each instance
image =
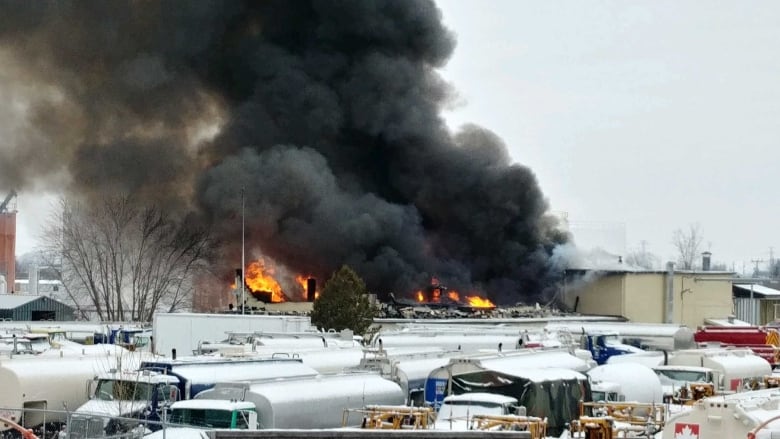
(234, 415)
(139, 395)
(456, 411)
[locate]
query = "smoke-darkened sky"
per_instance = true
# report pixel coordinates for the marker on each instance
(327, 114)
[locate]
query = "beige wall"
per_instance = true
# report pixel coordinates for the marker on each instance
(641, 297)
(696, 298)
(645, 300)
(597, 295)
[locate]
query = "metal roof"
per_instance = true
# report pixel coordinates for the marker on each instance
(758, 290)
(11, 301)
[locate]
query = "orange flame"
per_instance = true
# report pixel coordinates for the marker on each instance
(259, 278)
(420, 297)
(479, 302)
(454, 296)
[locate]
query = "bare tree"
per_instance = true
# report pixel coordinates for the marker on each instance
(687, 244)
(643, 259)
(123, 261)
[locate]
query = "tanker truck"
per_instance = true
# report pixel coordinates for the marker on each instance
(629, 382)
(290, 403)
(144, 394)
(33, 388)
(749, 415)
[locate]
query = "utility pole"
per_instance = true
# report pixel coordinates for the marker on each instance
(756, 261)
(243, 262)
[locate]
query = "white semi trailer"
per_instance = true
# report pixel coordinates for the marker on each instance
(50, 383)
(185, 331)
(308, 403)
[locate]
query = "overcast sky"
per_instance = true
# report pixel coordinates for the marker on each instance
(643, 116)
(637, 117)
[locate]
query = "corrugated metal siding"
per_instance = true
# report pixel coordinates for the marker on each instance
(747, 310)
(24, 312)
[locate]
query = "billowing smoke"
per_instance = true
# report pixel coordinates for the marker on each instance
(325, 114)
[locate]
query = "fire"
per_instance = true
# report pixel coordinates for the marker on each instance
(303, 281)
(454, 296)
(420, 297)
(479, 302)
(259, 278)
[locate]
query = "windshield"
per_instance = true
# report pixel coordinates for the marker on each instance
(600, 395)
(138, 340)
(109, 390)
(210, 418)
(57, 336)
(684, 375)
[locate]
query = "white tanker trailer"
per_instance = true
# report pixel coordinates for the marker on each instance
(307, 403)
(465, 341)
(737, 415)
(633, 382)
(50, 383)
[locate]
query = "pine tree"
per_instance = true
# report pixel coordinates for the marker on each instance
(344, 304)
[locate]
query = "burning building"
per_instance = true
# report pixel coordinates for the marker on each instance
(261, 286)
(437, 294)
(317, 122)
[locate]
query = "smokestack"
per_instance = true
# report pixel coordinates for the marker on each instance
(33, 280)
(311, 289)
(705, 261)
(8, 249)
(669, 317)
(238, 278)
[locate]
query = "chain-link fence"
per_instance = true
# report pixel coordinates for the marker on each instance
(62, 424)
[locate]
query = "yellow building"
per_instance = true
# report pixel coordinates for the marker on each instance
(641, 296)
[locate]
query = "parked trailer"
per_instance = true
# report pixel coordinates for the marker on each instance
(146, 393)
(309, 403)
(242, 342)
(733, 369)
(632, 382)
(184, 331)
(730, 369)
(197, 374)
(466, 341)
(764, 341)
(666, 336)
(545, 382)
(749, 415)
(49, 383)
(337, 360)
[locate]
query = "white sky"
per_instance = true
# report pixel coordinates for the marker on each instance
(642, 115)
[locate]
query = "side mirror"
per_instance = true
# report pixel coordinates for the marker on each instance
(90, 389)
(253, 425)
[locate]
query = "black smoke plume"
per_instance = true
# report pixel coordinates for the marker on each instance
(326, 113)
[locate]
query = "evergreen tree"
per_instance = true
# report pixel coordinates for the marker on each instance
(344, 304)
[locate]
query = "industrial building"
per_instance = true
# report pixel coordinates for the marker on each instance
(756, 303)
(7, 244)
(643, 295)
(17, 307)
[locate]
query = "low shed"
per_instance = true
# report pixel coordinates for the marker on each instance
(18, 307)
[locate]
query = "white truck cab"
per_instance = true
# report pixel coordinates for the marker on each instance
(234, 415)
(129, 394)
(456, 411)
